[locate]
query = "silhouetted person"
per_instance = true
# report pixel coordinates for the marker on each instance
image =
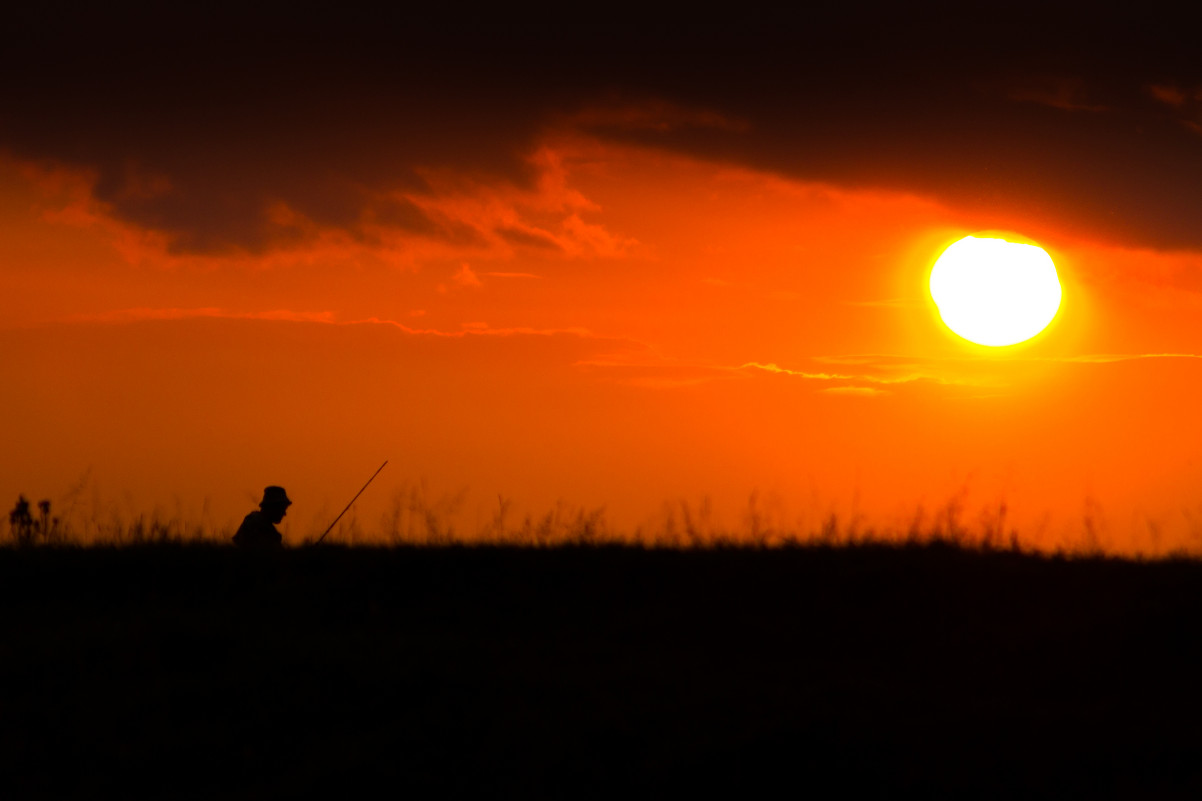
(258, 528)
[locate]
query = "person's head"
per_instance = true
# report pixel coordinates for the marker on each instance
(275, 503)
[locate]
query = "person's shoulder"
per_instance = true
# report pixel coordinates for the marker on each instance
(257, 529)
(253, 526)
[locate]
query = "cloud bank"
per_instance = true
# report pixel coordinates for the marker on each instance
(235, 129)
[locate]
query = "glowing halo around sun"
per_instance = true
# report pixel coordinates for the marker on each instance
(993, 292)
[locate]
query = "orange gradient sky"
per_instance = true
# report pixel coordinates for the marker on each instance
(640, 307)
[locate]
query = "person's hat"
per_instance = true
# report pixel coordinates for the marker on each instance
(274, 496)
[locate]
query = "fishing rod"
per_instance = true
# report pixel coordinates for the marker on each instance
(348, 506)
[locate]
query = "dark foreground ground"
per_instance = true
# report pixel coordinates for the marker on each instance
(193, 672)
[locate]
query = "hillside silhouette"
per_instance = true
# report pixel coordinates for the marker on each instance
(587, 672)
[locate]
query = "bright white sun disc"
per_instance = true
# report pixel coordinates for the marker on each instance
(993, 292)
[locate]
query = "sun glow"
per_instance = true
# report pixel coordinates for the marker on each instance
(993, 292)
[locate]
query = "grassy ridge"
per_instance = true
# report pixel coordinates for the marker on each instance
(196, 672)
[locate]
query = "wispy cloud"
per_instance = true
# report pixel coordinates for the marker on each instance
(326, 318)
(1108, 358)
(899, 361)
(859, 392)
(466, 277)
(646, 367)
(771, 367)
(550, 216)
(174, 313)
(636, 363)
(855, 377)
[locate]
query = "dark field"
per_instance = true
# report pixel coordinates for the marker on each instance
(200, 672)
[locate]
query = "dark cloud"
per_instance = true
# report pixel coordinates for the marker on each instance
(198, 121)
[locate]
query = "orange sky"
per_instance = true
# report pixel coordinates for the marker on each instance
(696, 330)
(616, 322)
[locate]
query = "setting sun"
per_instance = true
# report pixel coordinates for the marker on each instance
(993, 292)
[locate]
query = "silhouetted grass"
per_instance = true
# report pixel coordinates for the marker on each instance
(190, 670)
(414, 519)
